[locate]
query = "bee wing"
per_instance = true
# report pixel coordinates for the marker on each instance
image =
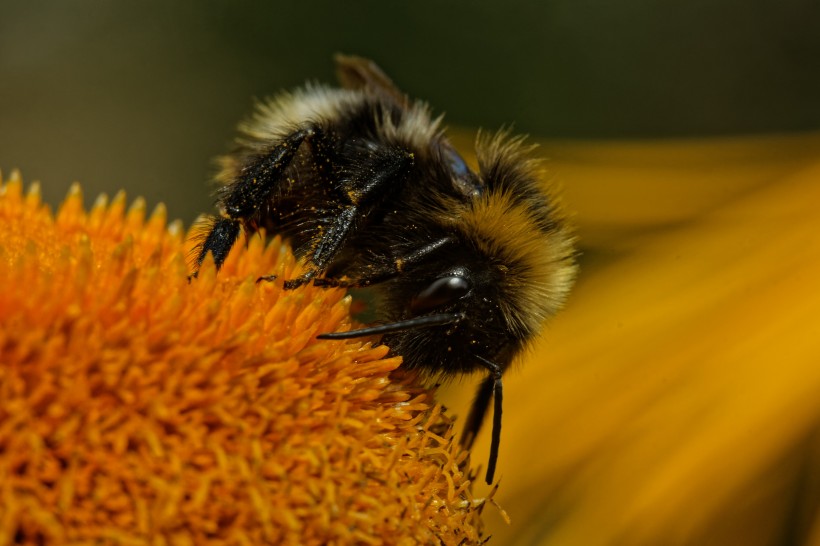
(360, 73)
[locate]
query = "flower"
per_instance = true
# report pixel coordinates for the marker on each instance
(137, 407)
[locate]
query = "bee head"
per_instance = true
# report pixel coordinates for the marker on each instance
(465, 297)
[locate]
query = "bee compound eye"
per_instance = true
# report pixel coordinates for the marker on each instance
(456, 163)
(464, 180)
(440, 292)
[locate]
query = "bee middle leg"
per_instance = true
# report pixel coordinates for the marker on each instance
(371, 183)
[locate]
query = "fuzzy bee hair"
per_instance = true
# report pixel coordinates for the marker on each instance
(467, 266)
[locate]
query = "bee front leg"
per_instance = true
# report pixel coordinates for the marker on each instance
(384, 272)
(478, 411)
(490, 389)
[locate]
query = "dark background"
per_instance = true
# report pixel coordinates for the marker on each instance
(142, 95)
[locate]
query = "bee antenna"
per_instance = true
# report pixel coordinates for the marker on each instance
(400, 326)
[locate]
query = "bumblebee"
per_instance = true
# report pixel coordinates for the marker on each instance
(467, 266)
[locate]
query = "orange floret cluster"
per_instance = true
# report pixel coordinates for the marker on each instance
(137, 407)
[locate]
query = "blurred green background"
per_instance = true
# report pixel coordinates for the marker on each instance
(142, 95)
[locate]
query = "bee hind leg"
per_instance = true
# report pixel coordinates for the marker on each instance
(219, 241)
(257, 181)
(252, 190)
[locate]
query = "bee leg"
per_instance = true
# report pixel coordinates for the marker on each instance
(381, 273)
(257, 181)
(328, 247)
(292, 284)
(252, 190)
(219, 241)
(490, 388)
(481, 403)
(369, 185)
